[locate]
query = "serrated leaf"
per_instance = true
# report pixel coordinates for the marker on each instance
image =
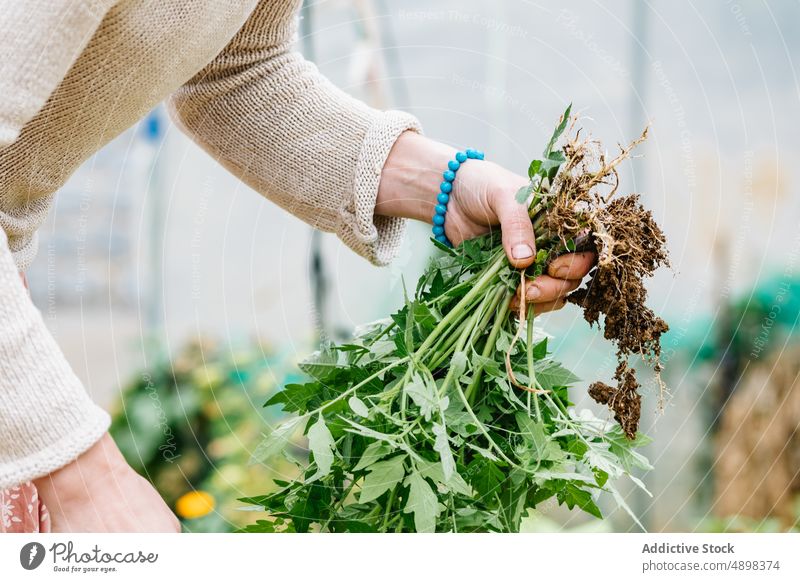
(600, 457)
(373, 453)
(442, 446)
(324, 364)
(535, 433)
(357, 405)
(322, 446)
(277, 440)
(433, 471)
(574, 496)
(485, 453)
(382, 477)
(551, 374)
(423, 394)
(559, 130)
(422, 501)
(485, 477)
(624, 506)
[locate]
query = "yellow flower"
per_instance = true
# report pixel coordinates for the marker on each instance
(194, 504)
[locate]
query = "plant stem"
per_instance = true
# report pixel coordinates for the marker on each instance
(462, 340)
(491, 341)
(532, 383)
(462, 307)
(388, 509)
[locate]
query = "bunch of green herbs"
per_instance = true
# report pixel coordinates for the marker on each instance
(450, 416)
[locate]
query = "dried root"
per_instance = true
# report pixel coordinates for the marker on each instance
(630, 247)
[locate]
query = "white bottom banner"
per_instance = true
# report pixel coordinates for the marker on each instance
(331, 557)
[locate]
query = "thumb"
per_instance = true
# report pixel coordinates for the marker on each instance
(518, 240)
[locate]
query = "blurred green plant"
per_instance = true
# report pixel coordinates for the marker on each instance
(189, 423)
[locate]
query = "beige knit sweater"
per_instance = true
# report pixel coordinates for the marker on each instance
(76, 73)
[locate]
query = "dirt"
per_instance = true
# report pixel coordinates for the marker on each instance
(624, 400)
(630, 247)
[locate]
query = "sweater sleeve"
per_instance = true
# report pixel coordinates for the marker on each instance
(46, 417)
(39, 41)
(273, 120)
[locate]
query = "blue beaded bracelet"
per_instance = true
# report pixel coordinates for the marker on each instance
(445, 188)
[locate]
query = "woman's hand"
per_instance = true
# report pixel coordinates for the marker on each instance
(99, 492)
(484, 195)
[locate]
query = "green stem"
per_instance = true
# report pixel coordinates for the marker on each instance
(388, 509)
(352, 389)
(338, 504)
(487, 309)
(462, 307)
(491, 341)
(532, 383)
(482, 428)
(462, 341)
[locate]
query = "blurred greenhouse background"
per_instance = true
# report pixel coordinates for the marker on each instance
(154, 251)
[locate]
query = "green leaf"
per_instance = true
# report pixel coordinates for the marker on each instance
(442, 446)
(423, 394)
(277, 440)
(485, 453)
(624, 506)
(374, 452)
(433, 471)
(322, 446)
(422, 501)
(324, 364)
(525, 192)
(535, 433)
(424, 319)
(600, 457)
(559, 130)
(310, 507)
(550, 375)
(357, 405)
(295, 397)
(574, 496)
(484, 476)
(381, 478)
(533, 170)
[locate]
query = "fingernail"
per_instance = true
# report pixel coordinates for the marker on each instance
(522, 252)
(533, 293)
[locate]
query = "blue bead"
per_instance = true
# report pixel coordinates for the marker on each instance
(441, 209)
(442, 239)
(478, 155)
(454, 165)
(461, 157)
(449, 175)
(438, 219)
(443, 198)
(471, 153)
(437, 230)
(446, 187)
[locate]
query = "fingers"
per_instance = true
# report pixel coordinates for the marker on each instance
(539, 308)
(515, 224)
(544, 289)
(545, 292)
(572, 265)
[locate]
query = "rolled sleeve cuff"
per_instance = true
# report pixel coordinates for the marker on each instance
(378, 238)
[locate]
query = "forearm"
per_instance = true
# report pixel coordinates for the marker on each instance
(46, 417)
(411, 176)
